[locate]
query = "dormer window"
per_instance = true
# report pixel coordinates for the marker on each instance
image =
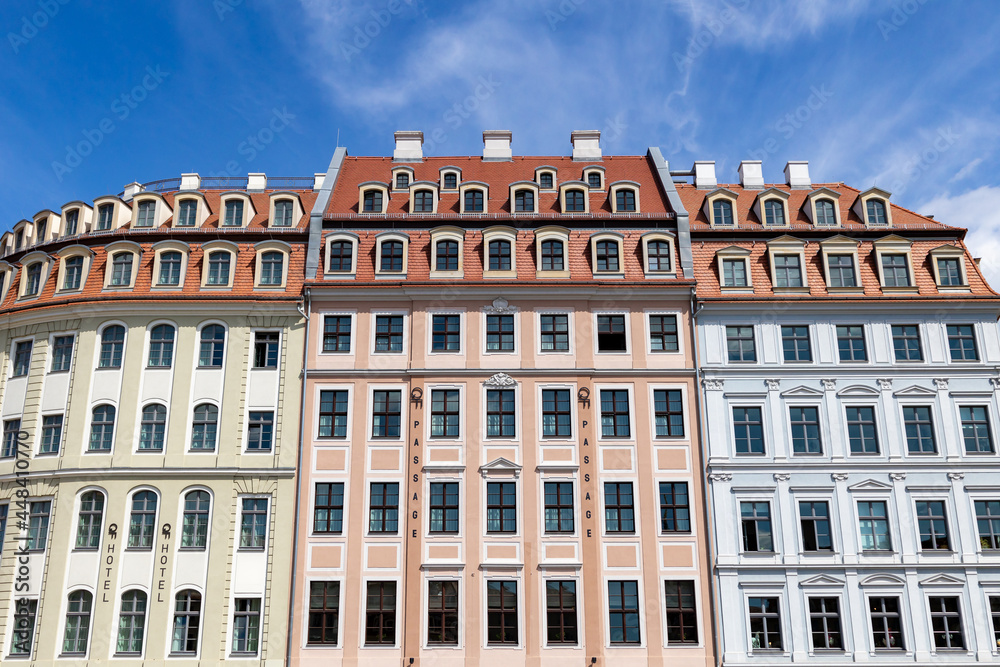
(340, 259)
(170, 268)
(40, 229)
(545, 180)
(575, 200)
(774, 213)
(271, 268)
(949, 271)
(499, 244)
(218, 268)
(402, 180)
(594, 180)
(34, 279)
(524, 201)
(552, 255)
(450, 180)
(826, 215)
(876, 212)
(18, 240)
(187, 214)
(423, 201)
(607, 253)
(121, 269)
(146, 214)
(234, 213)
(447, 255)
(625, 200)
(283, 213)
(474, 201)
(948, 262)
(73, 273)
(72, 220)
(104, 213)
(499, 255)
(722, 212)
(392, 256)
(840, 255)
(895, 270)
(893, 256)
(660, 255)
(734, 268)
(373, 201)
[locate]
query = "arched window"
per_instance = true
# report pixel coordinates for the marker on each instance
(104, 213)
(474, 201)
(373, 201)
(660, 257)
(341, 257)
(131, 622)
(545, 180)
(774, 212)
(142, 523)
(102, 428)
(204, 427)
(34, 280)
(187, 620)
(213, 346)
(825, 213)
(283, 213)
(146, 215)
(234, 213)
(624, 200)
(170, 268)
(77, 630)
(112, 346)
(194, 532)
(876, 212)
(574, 199)
(607, 255)
(73, 276)
(402, 180)
(499, 255)
(594, 179)
(722, 212)
(88, 527)
(218, 268)
(188, 213)
(271, 268)
(72, 218)
(161, 346)
(447, 255)
(392, 256)
(423, 201)
(524, 201)
(552, 256)
(153, 428)
(121, 269)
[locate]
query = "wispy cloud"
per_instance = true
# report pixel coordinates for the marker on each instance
(966, 170)
(979, 211)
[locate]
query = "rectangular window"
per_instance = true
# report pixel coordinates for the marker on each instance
(619, 507)
(824, 621)
(842, 271)
(995, 614)
(668, 413)
(246, 625)
(380, 613)
(555, 333)
(976, 429)
(946, 623)
(499, 333)
(328, 508)
(675, 510)
(895, 271)
(919, 429)
(234, 214)
(623, 612)
(74, 273)
(501, 613)
(932, 524)
(265, 349)
(615, 414)
(734, 273)
(851, 343)
(72, 218)
(337, 333)
(3, 524)
(383, 509)
(52, 426)
(11, 427)
(22, 358)
(501, 507)
(188, 213)
(906, 342)
(147, 212)
(23, 634)
(874, 525)
(962, 342)
(500, 413)
(748, 430)
(815, 520)
(386, 413)
(682, 615)
(389, 333)
(755, 518)
(765, 624)
(38, 525)
(787, 271)
(560, 612)
(949, 272)
(862, 431)
(556, 413)
(887, 623)
(447, 335)
(558, 507)
(663, 333)
(805, 430)
(333, 414)
(442, 612)
(260, 431)
(740, 344)
(104, 213)
(253, 524)
(445, 413)
(795, 343)
(611, 333)
(324, 613)
(988, 524)
(444, 507)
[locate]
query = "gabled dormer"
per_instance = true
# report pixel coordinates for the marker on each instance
(46, 224)
(822, 207)
(110, 213)
(450, 178)
(787, 257)
(720, 208)
(771, 208)
(149, 211)
(77, 218)
(873, 207)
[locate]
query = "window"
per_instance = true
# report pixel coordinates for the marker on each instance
(501, 612)
(265, 349)
(146, 215)
(73, 275)
(474, 201)
(722, 212)
(499, 255)
(765, 624)
(392, 256)
(62, 353)
(740, 343)
(734, 273)
(748, 429)
(389, 333)
(556, 413)
(42, 231)
(499, 333)
(949, 271)
(88, 527)
(668, 413)
(663, 333)
(659, 256)
(962, 343)
(22, 358)
(932, 525)
(524, 201)
(623, 612)
(213, 346)
(3, 524)
(851, 343)
(995, 613)
(218, 268)
(805, 430)
(862, 432)
(624, 201)
(234, 214)
(874, 524)
(824, 621)
(545, 180)
(170, 268)
(204, 427)
(444, 507)
(501, 507)
(887, 632)
(337, 333)
(402, 180)
(131, 622)
(333, 414)
(104, 213)
(988, 522)
(324, 613)
(447, 333)
(194, 531)
(795, 343)
(72, 217)
(876, 212)
(447, 255)
(383, 512)
(560, 612)
(976, 429)
(38, 525)
(253, 523)
(682, 616)
(51, 434)
(774, 212)
(187, 620)
(161, 346)
(615, 414)
(552, 256)
(34, 279)
(188, 213)
(788, 271)
(555, 333)
(102, 428)
(112, 347)
(328, 508)
(283, 213)
(611, 333)
(619, 509)
(675, 510)
(906, 342)
(445, 414)
(121, 269)
(607, 256)
(246, 625)
(594, 179)
(11, 428)
(500, 413)
(755, 518)
(946, 623)
(380, 616)
(919, 429)
(272, 268)
(341, 258)
(142, 522)
(574, 199)
(260, 431)
(18, 240)
(842, 271)
(815, 521)
(77, 631)
(558, 507)
(386, 413)
(450, 181)
(895, 271)
(825, 214)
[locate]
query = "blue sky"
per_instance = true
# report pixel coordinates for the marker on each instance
(899, 94)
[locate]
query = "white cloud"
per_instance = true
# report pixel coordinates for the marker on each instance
(979, 211)
(966, 170)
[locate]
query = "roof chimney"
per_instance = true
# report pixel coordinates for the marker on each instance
(318, 178)
(496, 145)
(190, 181)
(256, 182)
(797, 175)
(131, 190)
(409, 146)
(751, 175)
(704, 174)
(586, 144)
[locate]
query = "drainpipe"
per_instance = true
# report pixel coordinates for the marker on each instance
(304, 312)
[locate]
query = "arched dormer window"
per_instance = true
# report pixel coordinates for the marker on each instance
(237, 210)
(169, 264)
(594, 178)
(625, 198)
(771, 207)
(402, 180)
(575, 201)
(873, 207)
(187, 213)
(447, 252)
(122, 265)
(402, 177)
(822, 207)
(105, 217)
(272, 264)
(608, 257)
(551, 248)
(34, 274)
(423, 197)
(720, 208)
(149, 210)
(373, 197)
(450, 178)
(658, 249)
(74, 267)
(218, 260)
(372, 201)
(33, 279)
(286, 209)
(524, 201)
(473, 197)
(546, 178)
(500, 245)
(46, 225)
(76, 219)
(391, 254)
(574, 197)
(341, 254)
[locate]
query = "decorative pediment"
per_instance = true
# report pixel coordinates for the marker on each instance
(839, 240)
(500, 465)
(500, 380)
(822, 580)
(942, 579)
(858, 390)
(786, 241)
(882, 580)
(802, 391)
(733, 251)
(870, 485)
(915, 390)
(500, 306)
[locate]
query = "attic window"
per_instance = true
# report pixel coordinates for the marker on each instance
(234, 214)
(40, 232)
(574, 200)
(104, 216)
(283, 213)
(423, 201)
(402, 180)
(188, 214)
(524, 201)
(18, 240)
(625, 201)
(545, 179)
(594, 179)
(774, 213)
(147, 210)
(373, 201)
(473, 201)
(34, 279)
(71, 221)
(825, 214)
(450, 180)
(722, 211)
(876, 212)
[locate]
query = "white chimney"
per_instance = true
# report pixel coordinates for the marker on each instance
(131, 190)
(409, 146)
(256, 182)
(318, 178)
(704, 174)
(586, 144)
(752, 175)
(496, 145)
(190, 181)
(797, 175)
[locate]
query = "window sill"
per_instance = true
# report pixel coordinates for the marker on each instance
(339, 276)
